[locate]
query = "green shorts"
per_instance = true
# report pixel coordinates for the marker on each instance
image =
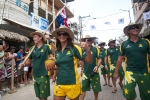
(42, 86)
(143, 82)
(112, 70)
(103, 70)
(88, 81)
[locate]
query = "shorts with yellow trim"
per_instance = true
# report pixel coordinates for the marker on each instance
(133, 79)
(120, 72)
(42, 86)
(88, 81)
(103, 70)
(69, 91)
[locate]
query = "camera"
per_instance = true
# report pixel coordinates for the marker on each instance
(92, 74)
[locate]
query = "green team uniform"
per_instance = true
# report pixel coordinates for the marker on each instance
(102, 66)
(41, 78)
(68, 82)
(137, 68)
(88, 69)
(113, 54)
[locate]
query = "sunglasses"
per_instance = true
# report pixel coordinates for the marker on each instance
(88, 40)
(62, 34)
(102, 44)
(133, 27)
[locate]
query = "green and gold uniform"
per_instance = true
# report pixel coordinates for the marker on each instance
(137, 68)
(67, 82)
(41, 78)
(102, 66)
(113, 54)
(88, 69)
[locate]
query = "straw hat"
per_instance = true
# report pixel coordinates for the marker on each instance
(40, 33)
(131, 24)
(111, 40)
(63, 29)
(101, 42)
(88, 37)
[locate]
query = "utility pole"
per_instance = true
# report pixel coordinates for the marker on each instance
(80, 23)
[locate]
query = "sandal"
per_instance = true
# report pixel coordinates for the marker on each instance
(109, 85)
(120, 85)
(104, 84)
(114, 91)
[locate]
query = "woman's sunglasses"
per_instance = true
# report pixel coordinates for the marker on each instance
(62, 34)
(133, 27)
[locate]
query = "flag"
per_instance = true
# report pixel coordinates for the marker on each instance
(62, 18)
(146, 15)
(107, 23)
(92, 27)
(121, 21)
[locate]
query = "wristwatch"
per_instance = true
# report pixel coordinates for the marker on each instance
(50, 41)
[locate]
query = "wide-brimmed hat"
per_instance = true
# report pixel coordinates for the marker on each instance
(63, 29)
(88, 37)
(40, 33)
(128, 26)
(101, 42)
(111, 40)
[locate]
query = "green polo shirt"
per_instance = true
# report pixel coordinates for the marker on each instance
(113, 54)
(102, 55)
(38, 56)
(88, 68)
(67, 62)
(136, 55)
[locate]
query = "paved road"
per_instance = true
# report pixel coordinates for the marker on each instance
(27, 93)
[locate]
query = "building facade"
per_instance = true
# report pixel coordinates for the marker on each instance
(16, 14)
(140, 7)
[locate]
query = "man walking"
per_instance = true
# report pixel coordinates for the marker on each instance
(90, 76)
(135, 50)
(112, 53)
(104, 68)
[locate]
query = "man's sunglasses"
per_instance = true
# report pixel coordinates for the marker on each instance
(133, 27)
(62, 34)
(102, 45)
(88, 40)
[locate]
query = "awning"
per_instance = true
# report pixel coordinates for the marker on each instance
(8, 35)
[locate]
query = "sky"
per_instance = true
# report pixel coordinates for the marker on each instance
(101, 9)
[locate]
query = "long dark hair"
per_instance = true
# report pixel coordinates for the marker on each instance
(58, 44)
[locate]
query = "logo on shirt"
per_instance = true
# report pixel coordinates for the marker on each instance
(57, 55)
(68, 53)
(42, 50)
(140, 45)
(128, 46)
(116, 49)
(111, 50)
(91, 52)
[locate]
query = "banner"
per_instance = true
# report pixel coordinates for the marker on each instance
(121, 21)
(93, 27)
(146, 15)
(39, 23)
